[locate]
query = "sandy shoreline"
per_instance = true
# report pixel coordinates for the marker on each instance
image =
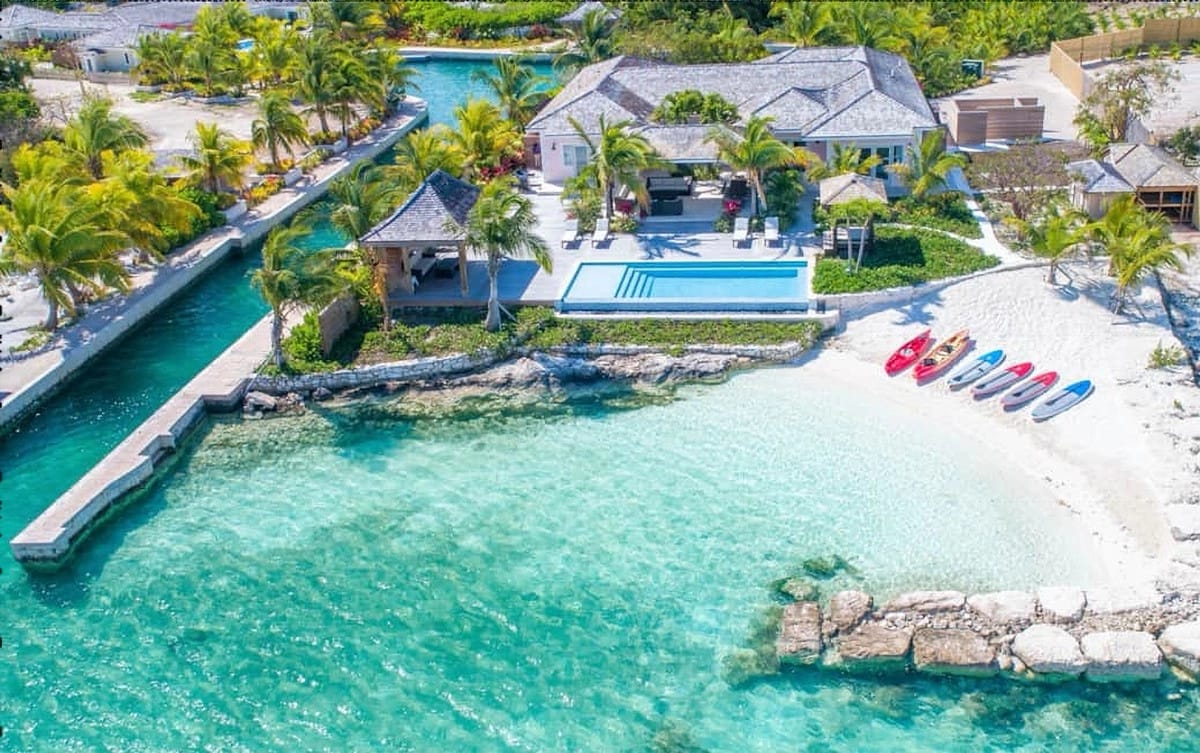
(1112, 459)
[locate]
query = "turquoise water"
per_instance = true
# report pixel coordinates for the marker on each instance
(686, 285)
(571, 580)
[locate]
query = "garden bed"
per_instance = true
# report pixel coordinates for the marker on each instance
(900, 257)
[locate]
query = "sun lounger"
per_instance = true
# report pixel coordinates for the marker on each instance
(771, 230)
(600, 235)
(741, 230)
(570, 232)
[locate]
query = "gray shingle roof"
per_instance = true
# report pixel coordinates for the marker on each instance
(17, 16)
(822, 92)
(680, 143)
(581, 10)
(20, 16)
(118, 38)
(422, 219)
(1146, 166)
(1098, 178)
(847, 187)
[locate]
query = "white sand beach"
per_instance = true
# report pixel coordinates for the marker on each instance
(1112, 459)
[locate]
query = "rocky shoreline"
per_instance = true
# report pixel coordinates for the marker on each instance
(1053, 634)
(525, 376)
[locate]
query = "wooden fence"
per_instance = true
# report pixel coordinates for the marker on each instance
(1068, 55)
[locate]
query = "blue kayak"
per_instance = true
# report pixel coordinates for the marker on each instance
(1063, 399)
(977, 368)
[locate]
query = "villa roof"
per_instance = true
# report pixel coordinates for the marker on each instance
(847, 187)
(422, 220)
(581, 10)
(1097, 177)
(118, 38)
(1146, 166)
(680, 143)
(821, 92)
(120, 18)
(21, 16)
(17, 16)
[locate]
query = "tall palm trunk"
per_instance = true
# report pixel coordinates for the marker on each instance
(492, 323)
(277, 337)
(322, 119)
(756, 190)
(379, 269)
(608, 201)
(862, 240)
(51, 322)
(274, 148)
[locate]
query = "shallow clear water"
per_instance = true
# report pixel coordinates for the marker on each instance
(571, 580)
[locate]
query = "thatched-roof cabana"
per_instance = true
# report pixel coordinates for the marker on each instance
(848, 187)
(431, 218)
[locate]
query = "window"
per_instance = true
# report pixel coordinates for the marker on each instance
(575, 156)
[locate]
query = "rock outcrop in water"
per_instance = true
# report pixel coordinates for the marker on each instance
(1101, 635)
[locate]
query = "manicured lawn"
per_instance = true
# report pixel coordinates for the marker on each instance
(901, 257)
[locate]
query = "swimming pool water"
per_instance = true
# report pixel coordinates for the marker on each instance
(687, 286)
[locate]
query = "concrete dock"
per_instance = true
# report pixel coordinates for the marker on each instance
(220, 386)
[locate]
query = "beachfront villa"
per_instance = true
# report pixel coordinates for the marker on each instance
(1160, 183)
(106, 40)
(817, 97)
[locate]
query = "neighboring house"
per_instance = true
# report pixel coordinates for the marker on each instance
(1160, 183)
(818, 96)
(575, 17)
(106, 41)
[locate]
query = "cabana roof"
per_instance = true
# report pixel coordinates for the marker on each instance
(424, 218)
(842, 189)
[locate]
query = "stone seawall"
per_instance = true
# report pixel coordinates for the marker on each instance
(1053, 634)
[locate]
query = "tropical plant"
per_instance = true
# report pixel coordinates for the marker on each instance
(95, 130)
(616, 158)
(275, 56)
(153, 211)
(161, 60)
(1138, 243)
(484, 138)
(66, 236)
(220, 158)
(500, 225)
(869, 24)
(806, 23)
(421, 152)
(358, 201)
(928, 165)
(1055, 235)
(213, 61)
(590, 43)
(347, 19)
(517, 89)
(386, 67)
(846, 158)
(291, 276)
(1120, 95)
(317, 81)
(681, 106)
(352, 83)
(277, 125)
(755, 151)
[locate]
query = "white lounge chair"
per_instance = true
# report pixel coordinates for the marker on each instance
(771, 230)
(570, 232)
(741, 230)
(600, 234)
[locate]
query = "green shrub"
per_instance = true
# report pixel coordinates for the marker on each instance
(38, 338)
(304, 341)
(945, 211)
(1166, 356)
(678, 108)
(624, 223)
(898, 258)
(210, 216)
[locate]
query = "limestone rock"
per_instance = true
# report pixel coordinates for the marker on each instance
(800, 633)
(568, 369)
(1121, 655)
(322, 394)
(927, 601)
(1184, 521)
(954, 652)
(847, 608)
(259, 401)
(1120, 600)
(873, 645)
(1005, 607)
(1049, 650)
(1061, 603)
(1180, 644)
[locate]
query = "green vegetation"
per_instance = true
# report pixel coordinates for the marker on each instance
(901, 257)
(1122, 94)
(460, 22)
(615, 159)
(39, 338)
(444, 332)
(945, 211)
(681, 107)
(1166, 356)
(928, 165)
(1138, 244)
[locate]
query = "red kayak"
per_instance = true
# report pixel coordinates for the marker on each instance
(943, 356)
(1028, 391)
(907, 354)
(1002, 381)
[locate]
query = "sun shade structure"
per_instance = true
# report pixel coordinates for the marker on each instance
(431, 217)
(1160, 184)
(842, 189)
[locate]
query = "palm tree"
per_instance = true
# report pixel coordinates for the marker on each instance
(150, 205)
(1138, 242)
(500, 225)
(95, 130)
(277, 125)
(291, 276)
(386, 67)
(591, 43)
(347, 19)
(754, 152)
(869, 24)
(616, 158)
(359, 200)
(352, 83)
(220, 158)
(161, 59)
(212, 60)
(317, 76)
(421, 152)
(275, 55)
(515, 87)
(806, 23)
(928, 165)
(846, 158)
(483, 136)
(1054, 236)
(66, 238)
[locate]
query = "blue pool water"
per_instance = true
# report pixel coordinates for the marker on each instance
(687, 286)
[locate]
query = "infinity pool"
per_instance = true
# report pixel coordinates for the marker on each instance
(687, 286)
